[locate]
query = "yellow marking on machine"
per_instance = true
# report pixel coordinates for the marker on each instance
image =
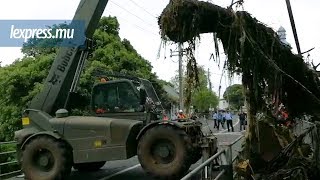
(97, 143)
(25, 121)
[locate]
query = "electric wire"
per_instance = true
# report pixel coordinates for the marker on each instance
(143, 8)
(137, 26)
(133, 14)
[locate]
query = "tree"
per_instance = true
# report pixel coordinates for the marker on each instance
(203, 79)
(234, 94)
(24, 78)
(202, 97)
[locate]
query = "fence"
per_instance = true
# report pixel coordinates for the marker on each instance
(8, 163)
(226, 155)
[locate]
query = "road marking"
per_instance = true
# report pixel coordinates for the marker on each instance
(120, 172)
(229, 133)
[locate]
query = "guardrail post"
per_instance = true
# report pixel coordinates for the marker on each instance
(209, 147)
(228, 167)
(205, 156)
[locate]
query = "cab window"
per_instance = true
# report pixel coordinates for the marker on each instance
(128, 99)
(117, 97)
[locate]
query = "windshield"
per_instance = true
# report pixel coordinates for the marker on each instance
(151, 93)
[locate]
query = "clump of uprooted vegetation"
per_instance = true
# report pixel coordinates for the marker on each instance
(271, 75)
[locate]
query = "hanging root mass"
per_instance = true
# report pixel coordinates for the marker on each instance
(268, 66)
(271, 73)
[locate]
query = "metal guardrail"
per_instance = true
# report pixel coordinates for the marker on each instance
(206, 168)
(8, 163)
(227, 159)
(204, 165)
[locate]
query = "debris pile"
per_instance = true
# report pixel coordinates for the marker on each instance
(271, 74)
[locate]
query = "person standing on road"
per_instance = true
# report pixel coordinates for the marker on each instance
(228, 117)
(223, 119)
(242, 119)
(219, 119)
(214, 117)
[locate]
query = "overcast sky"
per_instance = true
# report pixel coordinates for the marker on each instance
(138, 23)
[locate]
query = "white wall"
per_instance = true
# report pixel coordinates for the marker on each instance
(223, 104)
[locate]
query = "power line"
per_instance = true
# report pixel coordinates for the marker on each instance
(143, 9)
(133, 14)
(137, 26)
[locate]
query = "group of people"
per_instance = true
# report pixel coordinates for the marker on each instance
(181, 115)
(220, 118)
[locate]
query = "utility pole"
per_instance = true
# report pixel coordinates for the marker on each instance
(210, 87)
(209, 81)
(180, 54)
(293, 27)
(180, 77)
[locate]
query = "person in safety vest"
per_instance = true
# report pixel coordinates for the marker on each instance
(181, 115)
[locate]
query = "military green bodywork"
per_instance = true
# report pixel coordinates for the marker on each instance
(118, 137)
(108, 136)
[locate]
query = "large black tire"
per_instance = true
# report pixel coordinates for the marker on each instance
(93, 166)
(163, 152)
(46, 158)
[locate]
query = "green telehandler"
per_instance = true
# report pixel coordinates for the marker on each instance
(125, 122)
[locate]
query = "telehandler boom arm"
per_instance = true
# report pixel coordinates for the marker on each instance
(67, 66)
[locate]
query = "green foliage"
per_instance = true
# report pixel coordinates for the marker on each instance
(234, 94)
(202, 97)
(35, 47)
(203, 80)
(23, 79)
(20, 82)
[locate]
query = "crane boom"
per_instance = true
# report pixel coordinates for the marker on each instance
(67, 63)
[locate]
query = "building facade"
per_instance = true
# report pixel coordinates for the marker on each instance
(223, 104)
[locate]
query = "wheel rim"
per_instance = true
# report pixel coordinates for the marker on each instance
(163, 151)
(43, 160)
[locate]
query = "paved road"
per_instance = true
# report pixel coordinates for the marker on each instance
(131, 169)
